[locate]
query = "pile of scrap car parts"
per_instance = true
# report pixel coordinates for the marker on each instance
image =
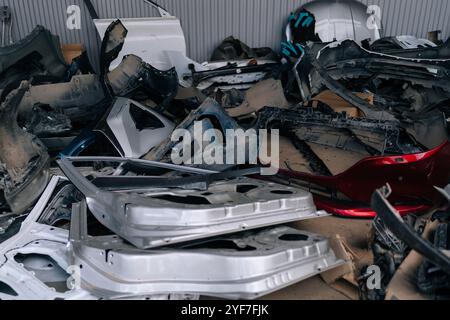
(163, 218)
(342, 84)
(416, 260)
(129, 129)
(35, 262)
(57, 109)
(413, 176)
(95, 209)
(37, 258)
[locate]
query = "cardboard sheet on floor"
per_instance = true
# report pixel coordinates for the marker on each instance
(266, 93)
(340, 105)
(343, 279)
(336, 160)
(352, 239)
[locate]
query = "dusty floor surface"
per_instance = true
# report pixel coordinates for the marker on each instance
(355, 233)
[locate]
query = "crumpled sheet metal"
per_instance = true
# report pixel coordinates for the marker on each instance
(439, 53)
(155, 217)
(234, 75)
(46, 123)
(166, 34)
(209, 109)
(347, 59)
(35, 238)
(413, 179)
(82, 98)
(131, 139)
(325, 64)
(112, 44)
(387, 44)
(404, 232)
(37, 280)
(45, 241)
(124, 78)
(41, 41)
(321, 77)
(384, 137)
(23, 157)
(78, 98)
(113, 269)
(261, 263)
(239, 74)
(133, 73)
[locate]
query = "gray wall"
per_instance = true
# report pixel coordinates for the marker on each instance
(207, 22)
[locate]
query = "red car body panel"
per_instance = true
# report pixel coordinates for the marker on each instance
(365, 212)
(412, 177)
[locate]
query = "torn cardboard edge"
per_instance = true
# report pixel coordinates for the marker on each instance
(340, 105)
(343, 279)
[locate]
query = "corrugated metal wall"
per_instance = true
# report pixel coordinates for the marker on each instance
(207, 22)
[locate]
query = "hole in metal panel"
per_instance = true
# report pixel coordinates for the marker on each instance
(6, 289)
(45, 269)
(282, 192)
(144, 119)
(293, 237)
(184, 200)
(244, 188)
